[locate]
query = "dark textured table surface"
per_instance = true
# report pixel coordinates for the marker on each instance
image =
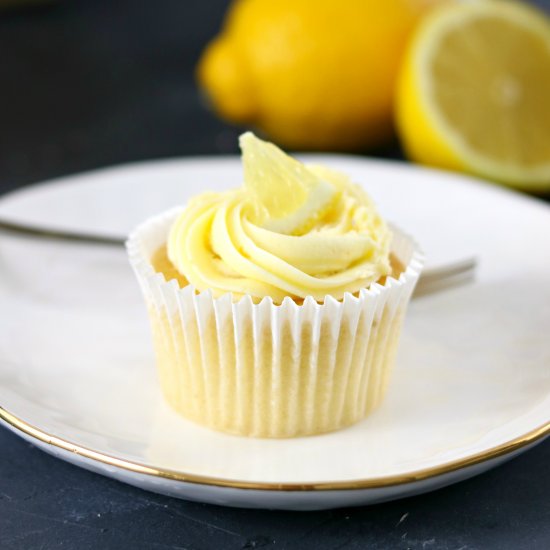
(92, 83)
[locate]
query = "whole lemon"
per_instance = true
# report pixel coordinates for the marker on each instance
(311, 74)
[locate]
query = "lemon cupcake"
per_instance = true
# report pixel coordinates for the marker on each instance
(275, 308)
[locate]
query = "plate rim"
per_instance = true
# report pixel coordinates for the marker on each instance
(306, 156)
(20, 426)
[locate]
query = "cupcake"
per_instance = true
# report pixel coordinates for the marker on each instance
(275, 308)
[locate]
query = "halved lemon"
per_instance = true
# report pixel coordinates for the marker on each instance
(474, 92)
(292, 198)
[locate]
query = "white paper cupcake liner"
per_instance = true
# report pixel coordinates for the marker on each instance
(270, 370)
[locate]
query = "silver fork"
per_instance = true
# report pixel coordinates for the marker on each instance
(431, 280)
(446, 276)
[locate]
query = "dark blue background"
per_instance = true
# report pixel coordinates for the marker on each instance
(91, 83)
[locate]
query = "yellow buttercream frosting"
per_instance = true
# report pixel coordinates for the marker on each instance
(219, 242)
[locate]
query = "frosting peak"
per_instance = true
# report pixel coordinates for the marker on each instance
(220, 243)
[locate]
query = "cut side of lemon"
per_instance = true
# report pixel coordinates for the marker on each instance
(291, 197)
(474, 92)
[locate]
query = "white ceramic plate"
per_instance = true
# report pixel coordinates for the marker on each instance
(471, 387)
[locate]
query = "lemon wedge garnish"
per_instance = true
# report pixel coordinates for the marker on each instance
(474, 92)
(290, 196)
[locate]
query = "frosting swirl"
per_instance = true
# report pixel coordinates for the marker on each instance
(218, 243)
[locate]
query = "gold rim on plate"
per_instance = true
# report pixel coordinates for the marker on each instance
(536, 435)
